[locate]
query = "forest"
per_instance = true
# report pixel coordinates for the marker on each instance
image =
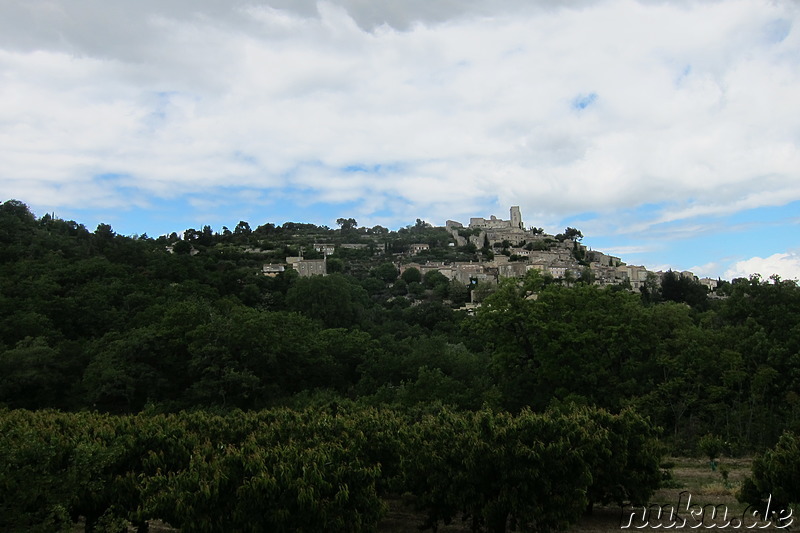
(168, 377)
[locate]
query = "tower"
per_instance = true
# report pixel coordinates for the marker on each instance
(516, 218)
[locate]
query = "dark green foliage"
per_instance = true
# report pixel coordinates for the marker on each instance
(411, 275)
(431, 371)
(776, 474)
(533, 470)
(416, 289)
(631, 471)
(539, 245)
(570, 233)
(678, 288)
(399, 287)
(347, 224)
(433, 278)
(711, 446)
(386, 272)
(33, 374)
(335, 300)
(263, 485)
(570, 341)
(17, 227)
(373, 286)
(269, 471)
(321, 469)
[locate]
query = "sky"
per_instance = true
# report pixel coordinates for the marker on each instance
(668, 132)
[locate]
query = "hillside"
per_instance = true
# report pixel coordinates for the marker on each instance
(117, 323)
(97, 322)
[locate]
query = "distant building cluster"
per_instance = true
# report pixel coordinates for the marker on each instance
(518, 250)
(533, 249)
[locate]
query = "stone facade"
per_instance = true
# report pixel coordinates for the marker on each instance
(494, 223)
(272, 270)
(325, 249)
(539, 251)
(709, 283)
(308, 267)
(419, 247)
(636, 275)
(494, 230)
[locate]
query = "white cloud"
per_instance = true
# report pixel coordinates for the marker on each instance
(786, 265)
(472, 102)
(707, 270)
(627, 250)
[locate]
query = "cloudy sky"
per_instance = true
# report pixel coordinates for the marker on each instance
(667, 131)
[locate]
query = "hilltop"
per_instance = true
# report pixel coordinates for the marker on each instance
(484, 252)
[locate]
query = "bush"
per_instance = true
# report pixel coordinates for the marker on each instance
(775, 474)
(537, 471)
(711, 446)
(320, 469)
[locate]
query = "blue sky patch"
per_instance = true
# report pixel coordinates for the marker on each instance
(376, 168)
(777, 30)
(583, 101)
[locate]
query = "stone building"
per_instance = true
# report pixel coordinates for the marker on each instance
(494, 230)
(709, 283)
(308, 267)
(514, 269)
(272, 270)
(496, 224)
(419, 247)
(637, 275)
(325, 249)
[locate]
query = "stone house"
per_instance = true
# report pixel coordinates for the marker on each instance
(325, 249)
(419, 247)
(272, 270)
(308, 267)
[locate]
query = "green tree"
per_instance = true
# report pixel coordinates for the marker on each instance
(678, 288)
(433, 278)
(182, 247)
(347, 224)
(411, 275)
(104, 233)
(334, 265)
(459, 293)
(585, 341)
(400, 287)
(17, 229)
(571, 234)
(386, 272)
(32, 375)
(416, 289)
(332, 299)
(711, 446)
(586, 276)
(125, 370)
(242, 229)
(775, 476)
(492, 468)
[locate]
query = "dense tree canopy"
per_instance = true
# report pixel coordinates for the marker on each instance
(105, 321)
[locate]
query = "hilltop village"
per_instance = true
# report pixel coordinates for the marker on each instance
(508, 250)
